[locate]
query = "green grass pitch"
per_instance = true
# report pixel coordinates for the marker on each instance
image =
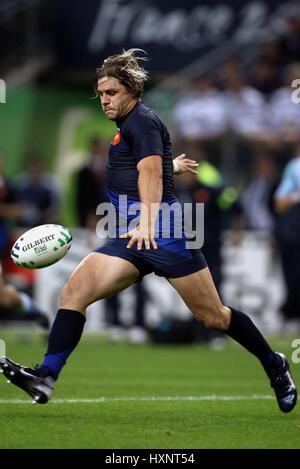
(124, 396)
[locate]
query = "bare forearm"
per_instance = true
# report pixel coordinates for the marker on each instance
(150, 190)
(283, 204)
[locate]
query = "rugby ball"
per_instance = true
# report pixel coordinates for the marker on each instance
(41, 246)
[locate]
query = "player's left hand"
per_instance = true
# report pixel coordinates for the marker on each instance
(183, 165)
(140, 237)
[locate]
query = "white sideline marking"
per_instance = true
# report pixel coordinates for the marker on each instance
(254, 397)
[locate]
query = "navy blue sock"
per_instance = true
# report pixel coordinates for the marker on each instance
(64, 336)
(244, 331)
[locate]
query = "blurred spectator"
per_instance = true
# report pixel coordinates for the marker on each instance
(271, 52)
(17, 305)
(284, 114)
(39, 193)
(10, 207)
(290, 41)
(200, 118)
(287, 204)
(245, 107)
(199, 113)
(91, 185)
(248, 124)
(263, 77)
(256, 198)
(14, 305)
(229, 67)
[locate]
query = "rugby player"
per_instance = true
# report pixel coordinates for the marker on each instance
(140, 167)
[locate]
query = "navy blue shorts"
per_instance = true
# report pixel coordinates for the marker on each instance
(171, 259)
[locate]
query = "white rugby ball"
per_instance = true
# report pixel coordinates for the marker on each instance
(41, 246)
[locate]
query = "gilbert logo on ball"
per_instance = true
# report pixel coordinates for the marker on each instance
(41, 246)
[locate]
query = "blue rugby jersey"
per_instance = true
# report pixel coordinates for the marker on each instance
(140, 134)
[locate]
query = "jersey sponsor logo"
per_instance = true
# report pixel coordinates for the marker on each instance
(117, 138)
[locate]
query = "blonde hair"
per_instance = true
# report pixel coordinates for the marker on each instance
(126, 68)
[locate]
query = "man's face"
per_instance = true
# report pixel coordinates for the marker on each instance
(116, 101)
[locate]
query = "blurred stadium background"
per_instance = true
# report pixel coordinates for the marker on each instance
(221, 78)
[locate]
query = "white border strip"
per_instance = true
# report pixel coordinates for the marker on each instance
(100, 400)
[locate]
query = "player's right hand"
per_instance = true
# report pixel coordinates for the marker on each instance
(139, 236)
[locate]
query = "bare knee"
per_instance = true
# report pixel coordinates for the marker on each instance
(215, 318)
(71, 297)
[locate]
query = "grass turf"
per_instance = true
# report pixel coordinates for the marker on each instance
(100, 369)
